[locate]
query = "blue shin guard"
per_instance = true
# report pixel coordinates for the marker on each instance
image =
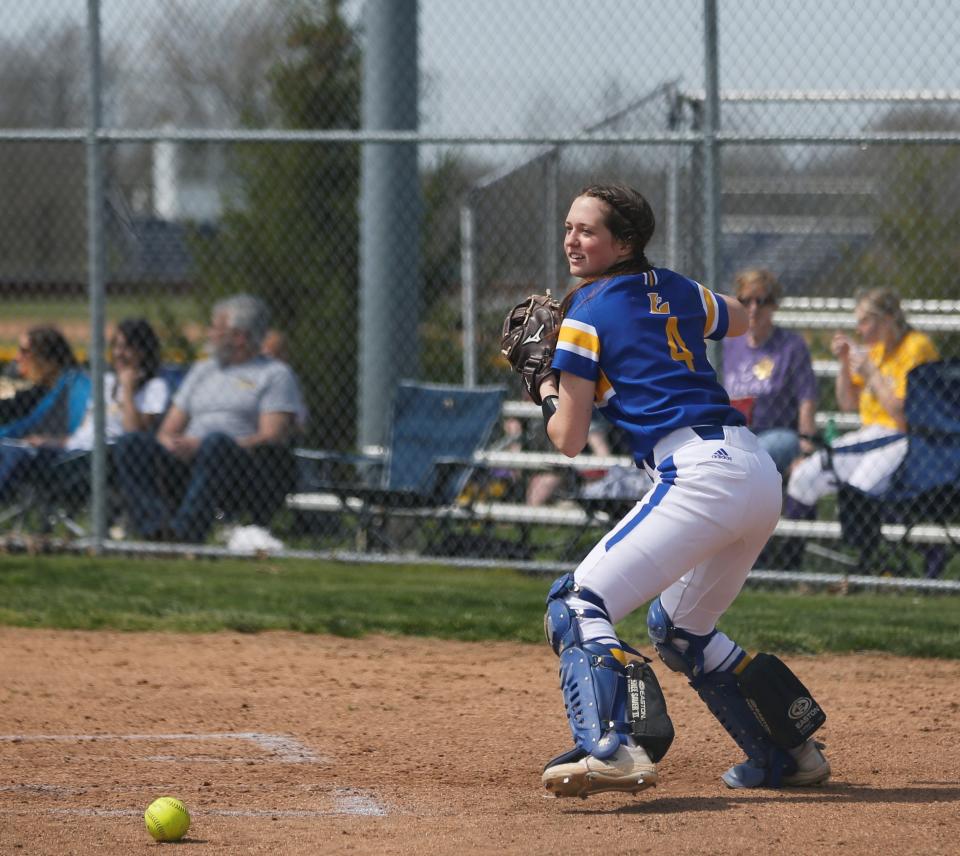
(767, 763)
(593, 683)
(593, 678)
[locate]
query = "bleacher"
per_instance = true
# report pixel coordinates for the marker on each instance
(804, 314)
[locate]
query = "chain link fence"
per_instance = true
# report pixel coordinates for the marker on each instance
(386, 179)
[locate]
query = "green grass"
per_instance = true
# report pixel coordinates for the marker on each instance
(92, 593)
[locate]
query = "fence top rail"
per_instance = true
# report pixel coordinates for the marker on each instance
(601, 138)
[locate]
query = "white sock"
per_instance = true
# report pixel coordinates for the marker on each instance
(592, 629)
(721, 653)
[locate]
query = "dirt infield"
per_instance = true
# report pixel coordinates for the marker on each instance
(290, 744)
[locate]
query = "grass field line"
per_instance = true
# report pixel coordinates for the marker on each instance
(284, 749)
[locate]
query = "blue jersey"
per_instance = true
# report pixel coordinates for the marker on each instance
(640, 337)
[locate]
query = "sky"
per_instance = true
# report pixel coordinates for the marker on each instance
(517, 64)
(554, 66)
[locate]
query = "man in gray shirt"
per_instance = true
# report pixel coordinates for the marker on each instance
(224, 443)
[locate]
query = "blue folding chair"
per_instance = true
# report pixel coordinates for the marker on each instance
(435, 433)
(924, 488)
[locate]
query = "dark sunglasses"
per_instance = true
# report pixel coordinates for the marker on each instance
(760, 301)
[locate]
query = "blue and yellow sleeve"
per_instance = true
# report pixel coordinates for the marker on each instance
(578, 349)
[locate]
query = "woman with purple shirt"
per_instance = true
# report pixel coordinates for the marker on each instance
(768, 373)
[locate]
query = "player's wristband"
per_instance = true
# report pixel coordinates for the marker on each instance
(549, 407)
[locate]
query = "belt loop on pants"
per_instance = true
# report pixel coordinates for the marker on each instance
(709, 432)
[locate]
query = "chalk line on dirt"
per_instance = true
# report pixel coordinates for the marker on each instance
(283, 749)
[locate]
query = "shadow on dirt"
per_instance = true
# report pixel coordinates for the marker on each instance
(836, 792)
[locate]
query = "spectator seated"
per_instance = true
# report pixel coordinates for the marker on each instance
(225, 442)
(924, 488)
(134, 398)
(41, 417)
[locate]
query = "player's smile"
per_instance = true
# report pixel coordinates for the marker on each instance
(589, 245)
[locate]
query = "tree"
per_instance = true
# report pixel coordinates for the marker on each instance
(203, 67)
(444, 185)
(212, 65)
(290, 232)
(916, 250)
(43, 216)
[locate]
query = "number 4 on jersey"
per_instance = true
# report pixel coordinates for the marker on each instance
(678, 348)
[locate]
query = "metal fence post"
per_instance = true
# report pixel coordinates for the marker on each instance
(95, 276)
(711, 164)
(551, 168)
(468, 296)
(390, 214)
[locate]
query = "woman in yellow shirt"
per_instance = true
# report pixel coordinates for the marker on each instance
(873, 380)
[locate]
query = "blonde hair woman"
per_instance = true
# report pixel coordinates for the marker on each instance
(872, 380)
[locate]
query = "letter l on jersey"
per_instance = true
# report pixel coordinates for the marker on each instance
(656, 305)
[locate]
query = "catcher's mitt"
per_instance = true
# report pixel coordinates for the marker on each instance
(529, 338)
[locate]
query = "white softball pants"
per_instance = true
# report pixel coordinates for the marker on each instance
(694, 536)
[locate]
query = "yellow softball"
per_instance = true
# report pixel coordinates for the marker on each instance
(167, 819)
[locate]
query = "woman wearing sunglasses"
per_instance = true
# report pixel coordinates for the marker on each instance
(768, 373)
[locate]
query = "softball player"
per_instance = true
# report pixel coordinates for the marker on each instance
(631, 343)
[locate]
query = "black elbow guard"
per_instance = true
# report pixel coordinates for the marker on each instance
(549, 407)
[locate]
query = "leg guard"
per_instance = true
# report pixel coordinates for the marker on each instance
(650, 724)
(607, 700)
(780, 701)
(592, 678)
(745, 719)
(766, 763)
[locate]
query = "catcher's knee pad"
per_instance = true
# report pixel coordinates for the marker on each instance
(760, 702)
(606, 698)
(679, 650)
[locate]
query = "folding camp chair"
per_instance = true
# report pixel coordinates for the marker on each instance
(54, 494)
(435, 432)
(924, 488)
